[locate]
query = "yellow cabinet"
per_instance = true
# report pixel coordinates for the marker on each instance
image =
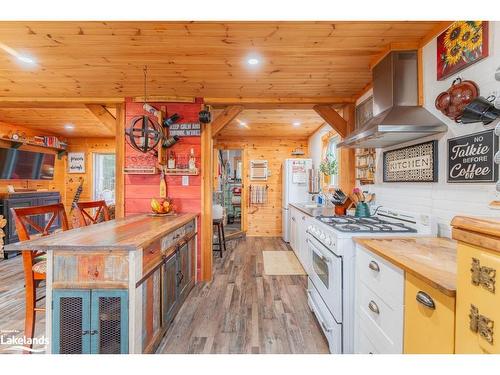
(429, 319)
(478, 300)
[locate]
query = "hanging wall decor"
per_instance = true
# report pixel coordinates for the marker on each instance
(461, 45)
(417, 163)
(471, 158)
(76, 162)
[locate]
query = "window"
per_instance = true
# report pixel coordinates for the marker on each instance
(331, 149)
(104, 177)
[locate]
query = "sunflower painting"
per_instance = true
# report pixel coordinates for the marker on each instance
(460, 45)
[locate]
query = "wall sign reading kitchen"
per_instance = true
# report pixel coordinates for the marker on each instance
(471, 158)
(417, 163)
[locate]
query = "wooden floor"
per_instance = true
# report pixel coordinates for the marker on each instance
(240, 311)
(12, 301)
(244, 311)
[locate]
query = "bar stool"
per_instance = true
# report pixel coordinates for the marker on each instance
(221, 238)
(34, 262)
(101, 212)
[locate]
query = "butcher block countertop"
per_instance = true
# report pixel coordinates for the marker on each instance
(430, 259)
(131, 233)
(482, 232)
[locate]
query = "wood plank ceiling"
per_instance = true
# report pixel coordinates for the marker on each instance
(297, 124)
(205, 59)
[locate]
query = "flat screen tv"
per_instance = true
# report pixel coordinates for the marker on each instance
(18, 164)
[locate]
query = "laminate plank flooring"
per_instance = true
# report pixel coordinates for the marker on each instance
(244, 311)
(12, 302)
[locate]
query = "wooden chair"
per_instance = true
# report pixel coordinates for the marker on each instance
(101, 212)
(34, 265)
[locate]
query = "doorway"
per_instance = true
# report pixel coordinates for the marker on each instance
(228, 191)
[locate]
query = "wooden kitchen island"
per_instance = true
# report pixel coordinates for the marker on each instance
(115, 287)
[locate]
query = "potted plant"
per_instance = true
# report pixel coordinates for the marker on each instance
(328, 167)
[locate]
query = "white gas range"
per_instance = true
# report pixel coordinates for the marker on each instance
(331, 278)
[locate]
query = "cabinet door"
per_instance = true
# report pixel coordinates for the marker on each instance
(479, 300)
(184, 268)
(109, 325)
(169, 288)
(293, 230)
(151, 309)
(428, 330)
(71, 329)
(19, 203)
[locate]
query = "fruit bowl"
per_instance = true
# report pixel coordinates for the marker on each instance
(162, 206)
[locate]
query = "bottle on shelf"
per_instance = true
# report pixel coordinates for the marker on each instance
(171, 160)
(192, 160)
(163, 185)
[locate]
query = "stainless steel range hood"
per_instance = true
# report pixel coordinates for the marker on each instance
(397, 116)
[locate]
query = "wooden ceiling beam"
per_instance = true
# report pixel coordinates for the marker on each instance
(104, 116)
(165, 99)
(333, 119)
(288, 103)
(224, 118)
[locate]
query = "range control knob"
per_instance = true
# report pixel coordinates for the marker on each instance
(328, 241)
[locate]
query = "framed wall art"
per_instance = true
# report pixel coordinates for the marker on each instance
(76, 162)
(461, 45)
(416, 163)
(471, 158)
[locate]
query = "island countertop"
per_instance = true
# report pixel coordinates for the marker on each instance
(131, 233)
(430, 259)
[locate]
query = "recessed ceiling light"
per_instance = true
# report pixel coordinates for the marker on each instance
(26, 59)
(253, 61)
(296, 123)
(69, 126)
(242, 124)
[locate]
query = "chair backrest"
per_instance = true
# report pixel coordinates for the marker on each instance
(23, 218)
(101, 212)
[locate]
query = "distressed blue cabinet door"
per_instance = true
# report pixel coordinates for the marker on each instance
(71, 321)
(170, 278)
(109, 325)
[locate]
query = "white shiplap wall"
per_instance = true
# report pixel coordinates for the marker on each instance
(443, 200)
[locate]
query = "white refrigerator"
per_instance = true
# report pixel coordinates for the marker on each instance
(294, 189)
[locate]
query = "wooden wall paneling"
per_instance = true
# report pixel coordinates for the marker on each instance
(207, 151)
(57, 184)
(89, 146)
(347, 172)
(266, 221)
(120, 160)
(224, 118)
(332, 118)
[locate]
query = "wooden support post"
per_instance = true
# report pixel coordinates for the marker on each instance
(224, 118)
(332, 118)
(206, 202)
(120, 161)
(347, 171)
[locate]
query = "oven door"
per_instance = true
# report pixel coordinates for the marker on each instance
(326, 275)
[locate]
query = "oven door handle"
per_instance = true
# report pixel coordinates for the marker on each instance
(319, 252)
(318, 314)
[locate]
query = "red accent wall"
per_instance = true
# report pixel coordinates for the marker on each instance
(139, 189)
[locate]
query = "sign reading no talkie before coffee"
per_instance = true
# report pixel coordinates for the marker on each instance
(471, 157)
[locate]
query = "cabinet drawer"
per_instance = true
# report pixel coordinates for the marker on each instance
(428, 330)
(151, 256)
(95, 269)
(364, 344)
(383, 278)
(382, 323)
(486, 301)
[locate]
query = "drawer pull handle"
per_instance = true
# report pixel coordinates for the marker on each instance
(374, 307)
(374, 266)
(425, 300)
